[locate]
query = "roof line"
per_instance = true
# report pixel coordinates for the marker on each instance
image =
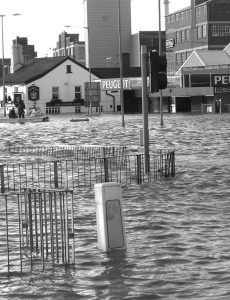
(199, 58)
(65, 58)
(193, 52)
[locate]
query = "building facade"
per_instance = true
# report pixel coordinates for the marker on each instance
(69, 44)
(102, 36)
(202, 25)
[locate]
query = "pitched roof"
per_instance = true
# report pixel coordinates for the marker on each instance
(214, 57)
(104, 73)
(36, 68)
(206, 58)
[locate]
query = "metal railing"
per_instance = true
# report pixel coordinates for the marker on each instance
(72, 173)
(76, 152)
(37, 229)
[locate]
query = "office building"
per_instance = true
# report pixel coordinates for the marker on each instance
(204, 25)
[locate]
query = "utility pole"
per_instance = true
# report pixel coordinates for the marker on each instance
(121, 65)
(159, 36)
(145, 106)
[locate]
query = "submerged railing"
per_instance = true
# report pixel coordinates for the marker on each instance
(37, 229)
(72, 173)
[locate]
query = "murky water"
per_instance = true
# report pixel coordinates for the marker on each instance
(177, 230)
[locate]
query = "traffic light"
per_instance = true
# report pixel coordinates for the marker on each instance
(158, 70)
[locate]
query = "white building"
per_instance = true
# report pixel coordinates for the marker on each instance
(58, 84)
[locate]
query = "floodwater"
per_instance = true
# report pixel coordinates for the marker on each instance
(177, 230)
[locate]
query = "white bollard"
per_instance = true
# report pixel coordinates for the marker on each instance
(109, 215)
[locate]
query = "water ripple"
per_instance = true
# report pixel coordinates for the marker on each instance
(177, 230)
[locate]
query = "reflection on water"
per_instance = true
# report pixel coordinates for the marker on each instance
(177, 230)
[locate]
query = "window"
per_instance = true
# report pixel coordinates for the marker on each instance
(168, 19)
(173, 18)
(77, 109)
(182, 15)
(68, 69)
(204, 31)
(178, 37)
(178, 57)
(220, 30)
(55, 93)
(187, 33)
(77, 94)
(188, 14)
(199, 32)
(182, 36)
(53, 110)
(177, 17)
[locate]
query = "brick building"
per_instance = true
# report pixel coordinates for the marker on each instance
(202, 25)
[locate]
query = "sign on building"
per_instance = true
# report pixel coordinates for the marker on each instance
(33, 93)
(114, 84)
(221, 80)
(92, 94)
(170, 43)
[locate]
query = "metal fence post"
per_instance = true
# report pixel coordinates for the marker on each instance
(139, 177)
(173, 163)
(106, 169)
(2, 179)
(55, 174)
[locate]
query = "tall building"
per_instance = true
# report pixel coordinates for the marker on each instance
(69, 44)
(102, 36)
(203, 25)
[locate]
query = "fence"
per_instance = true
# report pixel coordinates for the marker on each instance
(72, 173)
(36, 227)
(76, 152)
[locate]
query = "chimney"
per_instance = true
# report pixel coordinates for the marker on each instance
(17, 59)
(166, 3)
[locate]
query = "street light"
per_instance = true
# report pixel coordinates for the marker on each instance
(121, 65)
(89, 66)
(159, 37)
(3, 65)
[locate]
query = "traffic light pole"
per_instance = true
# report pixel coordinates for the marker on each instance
(145, 107)
(160, 91)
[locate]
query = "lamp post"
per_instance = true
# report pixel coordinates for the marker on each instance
(159, 32)
(3, 65)
(121, 65)
(89, 66)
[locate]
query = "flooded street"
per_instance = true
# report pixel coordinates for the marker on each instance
(177, 230)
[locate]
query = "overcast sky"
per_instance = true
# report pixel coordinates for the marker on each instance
(41, 21)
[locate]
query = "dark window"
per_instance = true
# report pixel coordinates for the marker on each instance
(200, 80)
(68, 69)
(77, 94)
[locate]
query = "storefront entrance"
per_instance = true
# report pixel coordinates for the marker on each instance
(131, 104)
(183, 104)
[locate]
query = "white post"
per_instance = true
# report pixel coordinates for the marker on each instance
(109, 216)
